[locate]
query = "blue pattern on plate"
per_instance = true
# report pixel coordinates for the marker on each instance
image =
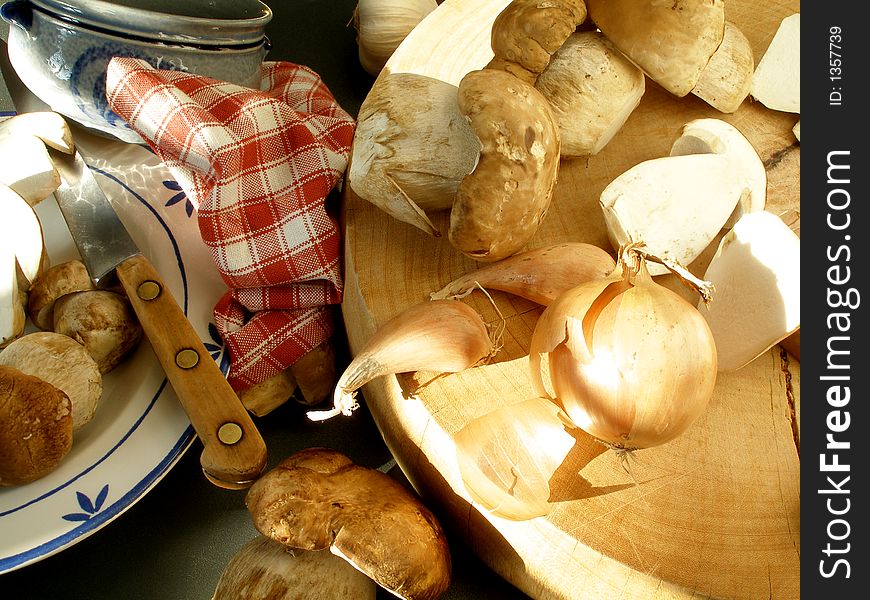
(89, 508)
(181, 195)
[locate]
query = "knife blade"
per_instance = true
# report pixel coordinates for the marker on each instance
(234, 452)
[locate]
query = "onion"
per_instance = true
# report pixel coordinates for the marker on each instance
(631, 362)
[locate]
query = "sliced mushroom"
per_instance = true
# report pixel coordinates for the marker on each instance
(318, 499)
(21, 230)
(26, 167)
(500, 205)
(36, 427)
(12, 300)
(102, 321)
(706, 136)
(727, 79)
(777, 79)
(756, 274)
(527, 32)
(593, 88)
(48, 126)
(671, 41)
(64, 363)
(675, 205)
(266, 570)
(55, 282)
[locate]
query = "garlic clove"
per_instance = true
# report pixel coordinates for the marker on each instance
(715, 136)
(508, 457)
(675, 205)
(444, 336)
(756, 273)
(797, 130)
(539, 275)
(382, 25)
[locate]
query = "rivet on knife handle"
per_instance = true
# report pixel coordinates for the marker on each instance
(234, 453)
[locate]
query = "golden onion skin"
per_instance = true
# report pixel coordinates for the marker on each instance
(631, 362)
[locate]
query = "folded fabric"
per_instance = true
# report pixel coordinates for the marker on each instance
(258, 165)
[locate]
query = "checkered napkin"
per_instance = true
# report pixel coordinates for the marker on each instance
(258, 165)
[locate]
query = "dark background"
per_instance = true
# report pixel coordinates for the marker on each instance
(176, 540)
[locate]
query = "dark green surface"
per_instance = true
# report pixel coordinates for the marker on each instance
(174, 543)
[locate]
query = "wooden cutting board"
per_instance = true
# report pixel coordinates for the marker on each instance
(715, 512)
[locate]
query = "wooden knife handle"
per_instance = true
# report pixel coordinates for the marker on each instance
(234, 453)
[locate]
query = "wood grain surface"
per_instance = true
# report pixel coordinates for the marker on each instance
(713, 513)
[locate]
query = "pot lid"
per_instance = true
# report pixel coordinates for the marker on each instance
(200, 22)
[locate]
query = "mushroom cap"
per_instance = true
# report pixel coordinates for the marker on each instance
(56, 281)
(102, 321)
(62, 362)
(263, 569)
(527, 32)
(36, 427)
(671, 41)
(318, 498)
(499, 206)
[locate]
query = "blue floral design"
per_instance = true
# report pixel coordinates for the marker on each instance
(217, 350)
(89, 507)
(181, 195)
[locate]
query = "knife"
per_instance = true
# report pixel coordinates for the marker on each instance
(234, 453)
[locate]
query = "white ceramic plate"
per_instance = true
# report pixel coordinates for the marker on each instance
(140, 430)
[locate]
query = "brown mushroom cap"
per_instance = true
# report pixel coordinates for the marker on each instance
(62, 362)
(102, 321)
(35, 427)
(671, 41)
(500, 205)
(318, 498)
(56, 281)
(527, 32)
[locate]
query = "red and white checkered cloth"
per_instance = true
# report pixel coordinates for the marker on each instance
(258, 165)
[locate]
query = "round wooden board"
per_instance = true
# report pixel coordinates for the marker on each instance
(715, 512)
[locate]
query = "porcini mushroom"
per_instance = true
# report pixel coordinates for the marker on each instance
(21, 230)
(56, 281)
(727, 79)
(675, 205)
(593, 88)
(310, 380)
(499, 206)
(756, 273)
(64, 363)
(35, 427)
(411, 149)
(27, 167)
(318, 498)
(526, 33)
(777, 79)
(102, 321)
(263, 569)
(705, 136)
(12, 300)
(671, 41)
